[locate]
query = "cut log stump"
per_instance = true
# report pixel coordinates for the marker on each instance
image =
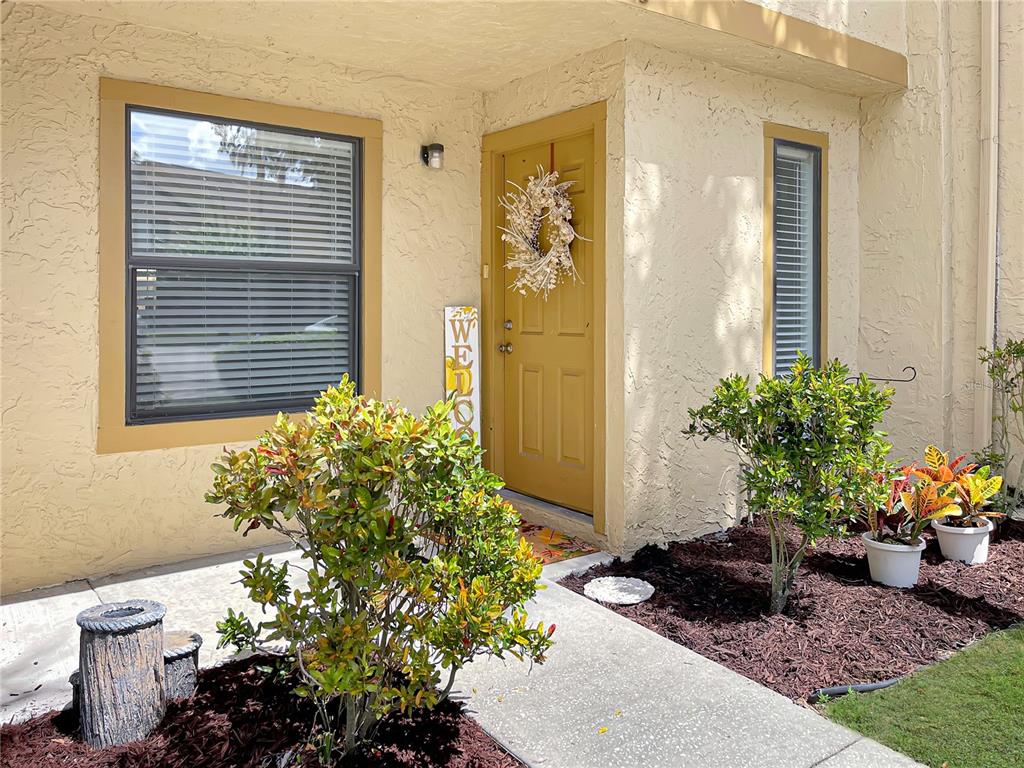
(181, 663)
(121, 668)
(76, 691)
(181, 668)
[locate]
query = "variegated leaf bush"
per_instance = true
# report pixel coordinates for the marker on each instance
(411, 563)
(971, 487)
(954, 492)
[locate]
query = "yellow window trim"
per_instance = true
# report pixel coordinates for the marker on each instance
(113, 435)
(773, 132)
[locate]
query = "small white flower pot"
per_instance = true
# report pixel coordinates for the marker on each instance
(966, 544)
(895, 565)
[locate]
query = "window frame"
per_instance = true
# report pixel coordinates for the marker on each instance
(115, 433)
(775, 133)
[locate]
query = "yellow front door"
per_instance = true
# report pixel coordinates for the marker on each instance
(549, 359)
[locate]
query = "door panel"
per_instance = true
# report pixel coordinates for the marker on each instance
(549, 373)
(531, 313)
(572, 433)
(530, 418)
(573, 316)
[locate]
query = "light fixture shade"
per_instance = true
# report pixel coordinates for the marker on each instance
(432, 155)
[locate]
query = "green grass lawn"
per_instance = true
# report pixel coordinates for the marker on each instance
(964, 712)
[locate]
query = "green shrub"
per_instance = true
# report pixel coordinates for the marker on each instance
(809, 450)
(1005, 368)
(410, 560)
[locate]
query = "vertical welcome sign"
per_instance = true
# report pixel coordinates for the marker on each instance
(462, 368)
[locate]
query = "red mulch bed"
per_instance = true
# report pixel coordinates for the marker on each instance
(241, 717)
(711, 595)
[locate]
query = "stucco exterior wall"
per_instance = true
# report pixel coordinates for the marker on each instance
(960, 340)
(684, 291)
(582, 80)
(1010, 213)
(693, 293)
(68, 512)
(906, 268)
(1010, 320)
(919, 183)
(882, 22)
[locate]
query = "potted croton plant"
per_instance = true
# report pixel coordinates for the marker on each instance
(963, 535)
(894, 542)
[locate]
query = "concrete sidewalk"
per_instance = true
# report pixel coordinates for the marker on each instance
(612, 694)
(39, 646)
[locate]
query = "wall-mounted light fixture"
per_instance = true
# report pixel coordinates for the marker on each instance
(432, 155)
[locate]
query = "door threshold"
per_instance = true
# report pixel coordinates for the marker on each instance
(562, 519)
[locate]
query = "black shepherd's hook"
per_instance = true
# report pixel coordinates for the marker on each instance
(913, 375)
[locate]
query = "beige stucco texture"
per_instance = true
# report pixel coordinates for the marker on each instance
(882, 22)
(1010, 320)
(684, 240)
(693, 279)
(67, 511)
(919, 214)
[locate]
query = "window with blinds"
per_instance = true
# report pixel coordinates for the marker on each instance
(243, 266)
(796, 252)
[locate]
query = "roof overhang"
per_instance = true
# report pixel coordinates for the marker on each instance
(483, 44)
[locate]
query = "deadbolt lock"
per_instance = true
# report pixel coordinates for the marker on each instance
(508, 325)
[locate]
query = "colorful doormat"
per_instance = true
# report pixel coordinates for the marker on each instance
(551, 545)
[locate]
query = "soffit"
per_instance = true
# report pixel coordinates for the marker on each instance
(483, 45)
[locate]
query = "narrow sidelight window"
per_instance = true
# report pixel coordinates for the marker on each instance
(243, 266)
(796, 253)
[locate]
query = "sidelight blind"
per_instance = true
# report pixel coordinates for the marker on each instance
(243, 266)
(796, 253)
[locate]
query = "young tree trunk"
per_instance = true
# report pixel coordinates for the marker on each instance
(351, 717)
(784, 567)
(780, 594)
(121, 662)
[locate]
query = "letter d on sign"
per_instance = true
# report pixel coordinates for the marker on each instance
(462, 368)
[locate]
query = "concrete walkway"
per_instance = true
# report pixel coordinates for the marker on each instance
(612, 693)
(39, 647)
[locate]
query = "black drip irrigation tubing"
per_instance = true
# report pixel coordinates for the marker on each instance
(841, 690)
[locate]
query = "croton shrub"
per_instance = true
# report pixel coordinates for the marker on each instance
(411, 563)
(956, 492)
(971, 486)
(912, 501)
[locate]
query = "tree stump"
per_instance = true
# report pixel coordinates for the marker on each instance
(121, 668)
(76, 691)
(181, 664)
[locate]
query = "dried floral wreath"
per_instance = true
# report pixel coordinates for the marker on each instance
(543, 198)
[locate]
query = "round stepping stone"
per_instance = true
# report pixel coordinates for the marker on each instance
(620, 590)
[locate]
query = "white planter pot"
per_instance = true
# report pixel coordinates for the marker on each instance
(968, 545)
(895, 565)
